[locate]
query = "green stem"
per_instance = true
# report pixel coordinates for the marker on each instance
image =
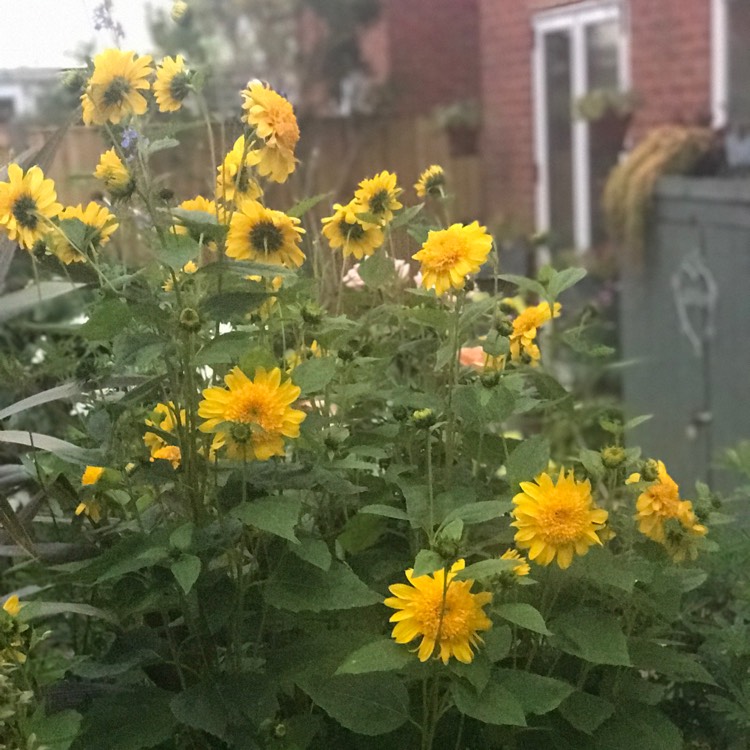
(431, 490)
(452, 380)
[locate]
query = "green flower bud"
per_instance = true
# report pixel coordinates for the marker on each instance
(613, 456)
(490, 379)
(311, 313)
(423, 418)
(180, 12)
(190, 320)
(650, 470)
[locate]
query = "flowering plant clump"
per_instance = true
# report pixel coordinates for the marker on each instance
(263, 509)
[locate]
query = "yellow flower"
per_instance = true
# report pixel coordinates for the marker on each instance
(12, 605)
(100, 225)
(431, 182)
(274, 121)
(449, 255)
(378, 196)
(354, 237)
(91, 508)
(556, 520)
(114, 174)
(525, 328)
(523, 568)
(271, 285)
(27, 200)
(114, 89)
(172, 83)
(661, 503)
(296, 357)
(633, 478)
(234, 181)
(442, 611)
(189, 267)
(164, 418)
(92, 475)
(259, 233)
(251, 417)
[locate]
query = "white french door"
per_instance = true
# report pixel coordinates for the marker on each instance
(577, 48)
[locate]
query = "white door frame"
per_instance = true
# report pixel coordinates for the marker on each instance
(573, 18)
(719, 63)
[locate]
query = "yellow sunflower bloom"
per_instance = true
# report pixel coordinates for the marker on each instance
(378, 196)
(431, 182)
(92, 475)
(345, 231)
(27, 200)
(251, 417)
(115, 175)
(274, 121)
(12, 605)
(525, 328)
(271, 285)
(523, 568)
(172, 83)
(262, 234)
(235, 181)
(114, 89)
(660, 504)
(440, 610)
(165, 419)
(557, 520)
(90, 508)
(450, 255)
(100, 225)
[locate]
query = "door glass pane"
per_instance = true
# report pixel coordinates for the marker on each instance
(739, 62)
(605, 135)
(559, 141)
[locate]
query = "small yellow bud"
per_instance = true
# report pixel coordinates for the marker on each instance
(180, 11)
(613, 456)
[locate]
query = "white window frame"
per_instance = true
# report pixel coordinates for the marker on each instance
(574, 18)
(719, 63)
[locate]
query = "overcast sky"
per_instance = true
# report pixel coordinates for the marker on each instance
(42, 33)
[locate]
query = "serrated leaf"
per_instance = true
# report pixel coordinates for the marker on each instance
(637, 725)
(182, 537)
(536, 694)
(523, 615)
(186, 570)
(201, 706)
(298, 210)
(377, 271)
(369, 704)
(176, 250)
(278, 516)
(668, 661)
(487, 510)
(477, 672)
(497, 643)
(161, 144)
(382, 655)
(387, 511)
(562, 280)
(403, 218)
(314, 551)
(416, 497)
(586, 712)
(225, 349)
(299, 587)
(427, 562)
(313, 375)
(106, 320)
(524, 284)
(596, 637)
(229, 305)
(55, 731)
(527, 461)
(494, 705)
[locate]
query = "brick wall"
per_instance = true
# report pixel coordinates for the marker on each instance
(670, 70)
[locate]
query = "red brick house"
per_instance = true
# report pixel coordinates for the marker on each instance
(688, 61)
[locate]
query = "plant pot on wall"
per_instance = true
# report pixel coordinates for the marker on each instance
(460, 121)
(609, 131)
(463, 140)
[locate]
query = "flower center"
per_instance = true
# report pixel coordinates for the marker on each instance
(450, 618)
(434, 183)
(266, 237)
(665, 502)
(379, 202)
(24, 210)
(179, 86)
(284, 124)
(253, 405)
(116, 91)
(563, 521)
(352, 232)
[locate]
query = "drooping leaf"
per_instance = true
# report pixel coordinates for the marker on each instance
(497, 643)
(527, 460)
(186, 570)
(37, 610)
(176, 250)
(377, 271)
(535, 693)
(668, 661)
(641, 726)
(523, 615)
(106, 320)
(594, 636)
(278, 515)
(67, 390)
(225, 349)
(586, 712)
(314, 551)
(55, 731)
(313, 375)
(382, 655)
(427, 562)
(31, 297)
(486, 510)
(61, 448)
(494, 705)
(298, 210)
(387, 511)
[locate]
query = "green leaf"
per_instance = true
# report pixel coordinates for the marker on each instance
(77, 233)
(186, 570)
(278, 515)
(176, 250)
(403, 218)
(314, 551)
(61, 448)
(497, 643)
(38, 610)
(527, 461)
(382, 655)
(586, 712)
(128, 719)
(523, 615)
(202, 707)
(536, 694)
(485, 569)
(377, 271)
(160, 144)
(562, 280)
(637, 725)
(107, 319)
(477, 672)
(635, 421)
(225, 349)
(232, 304)
(494, 705)
(427, 562)
(65, 391)
(388, 511)
(298, 210)
(55, 731)
(603, 568)
(182, 537)
(673, 664)
(369, 704)
(594, 636)
(32, 297)
(301, 587)
(487, 510)
(313, 375)
(524, 284)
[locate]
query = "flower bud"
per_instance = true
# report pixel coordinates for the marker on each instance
(180, 11)
(190, 320)
(423, 418)
(166, 194)
(650, 470)
(613, 456)
(279, 730)
(311, 313)
(504, 326)
(490, 379)
(74, 80)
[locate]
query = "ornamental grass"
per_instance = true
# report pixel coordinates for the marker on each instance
(273, 511)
